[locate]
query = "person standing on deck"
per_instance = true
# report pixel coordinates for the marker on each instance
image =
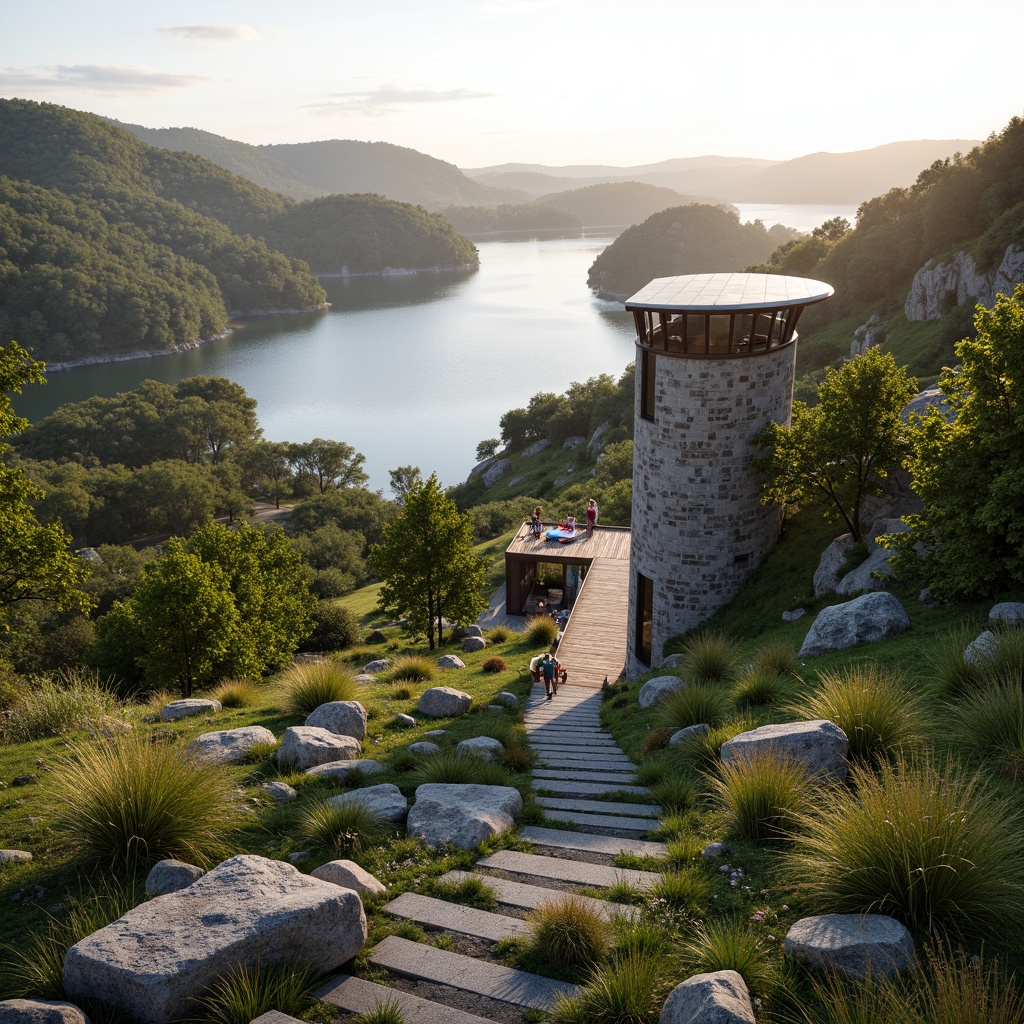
(591, 517)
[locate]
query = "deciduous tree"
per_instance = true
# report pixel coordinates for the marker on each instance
(427, 564)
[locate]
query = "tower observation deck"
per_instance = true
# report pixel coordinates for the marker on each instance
(716, 356)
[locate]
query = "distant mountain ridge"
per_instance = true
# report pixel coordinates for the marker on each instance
(846, 178)
(309, 170)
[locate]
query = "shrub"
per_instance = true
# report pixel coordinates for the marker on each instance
(694, 704)
(126, 804)
(541, 631)
(307, 685)
(775, 660)
(335, 628)
(59, 704)
(250, 990)
(930, 846)
(991, 720)
(567, 932)
(449, 767)
(494, 665)
(726, 944)
(755, 688)
(872, 706)
(630, 991)
(681, 891)
(35, 967)
(236, 693)
(709, 657)
(411, 668)
(347, 828)
(656, 740)
(761, 794)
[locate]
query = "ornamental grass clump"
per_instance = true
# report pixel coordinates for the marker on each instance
(730, 944)
(991, 719)
(694, 704)
(776, 660)
(878, 712)
(755, 688)
(709, 656)
(384, 1011)
(307, 685)
(541, 631)
(686, 890)
(236, 693)
(954, 675)
(411, 668)
(631, 990)
(250, 990)
(59, 704)
(451, 768)
(762, 794)
(675, 794)
(568, 932)
(127, 803)
(494, 664)
(927, 844)
(344, 828)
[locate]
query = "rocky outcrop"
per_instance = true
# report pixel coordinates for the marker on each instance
(865, 619)
(937, 288)
(463, 815)
(867, 336)
(495, 472)
(537, 447)
(852, 944)
(150, 963)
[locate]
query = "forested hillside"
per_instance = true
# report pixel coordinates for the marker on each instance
(109, 245)
(693, 239)
(617, 203)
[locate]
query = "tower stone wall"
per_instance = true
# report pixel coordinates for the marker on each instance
(699, 528)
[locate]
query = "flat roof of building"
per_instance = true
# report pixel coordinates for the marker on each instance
(710, 293)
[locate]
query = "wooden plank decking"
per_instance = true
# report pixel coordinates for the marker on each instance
(594, 642)
(607, 542)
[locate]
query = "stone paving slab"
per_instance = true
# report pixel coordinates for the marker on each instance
(575, 872)
(357, 995)
(622, 778)
(587, 843)
(454, 917)
(616, 821)
(276, 1017)
(570, 787)
(594, 764)
(505, 984)
(600, 807)
(570, 734)
(586, 749)
(529, 897)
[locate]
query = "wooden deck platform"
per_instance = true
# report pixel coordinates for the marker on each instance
(607, 542)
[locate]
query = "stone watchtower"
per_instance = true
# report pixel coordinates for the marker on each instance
(716, 355)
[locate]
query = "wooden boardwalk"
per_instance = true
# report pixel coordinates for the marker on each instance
(594, 642)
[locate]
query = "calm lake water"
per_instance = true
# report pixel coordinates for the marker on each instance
(413, 370)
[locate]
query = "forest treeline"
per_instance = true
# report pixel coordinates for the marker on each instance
(110, 245)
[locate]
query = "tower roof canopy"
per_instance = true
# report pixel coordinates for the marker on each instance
(717, 293)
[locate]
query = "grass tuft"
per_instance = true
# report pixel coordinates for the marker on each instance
(776, 660)
(307, 685)
(237, 693)
(449, 767)
(250, 990)
(694, 704)
(726, 944)
(684, 891)
(761, 794)
(541, 631)
(567, 932)
(709, 656)
(347, 828)
(58, 704)
(472, 892)
(991, 719)
(630, 991)
(411, 668)
(385, 1011)
(756, 688)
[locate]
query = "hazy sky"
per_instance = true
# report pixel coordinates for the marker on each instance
(480, 82)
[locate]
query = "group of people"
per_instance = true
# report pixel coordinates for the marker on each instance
(567, 527)
(549, 668)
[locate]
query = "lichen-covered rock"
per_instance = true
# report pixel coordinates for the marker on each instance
(343, 769)
(473, 629)
(482, 746)
(672, 660)
(345, 717)
(170, 876)
(450, 661)
(40, 1011)
(463, 815)
(820, 745)
(349, 875)
(851, 944)
(875, 572)
(982, 648)
(689, 733)
(496, 471)
(229, 746)
(423, 748)
(830, 565)
(186, 708)
(865, 619)
(15, 856)
(404, 721)
(150, 963)
(385, 800)
(279, 792)
(658, 688)
(508, 700)
(473, 643)
(306, 746)
(443, 702)
(1009, 612)
(720, 997)
(371, 668)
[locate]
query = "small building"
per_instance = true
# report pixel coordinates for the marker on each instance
(716, 357)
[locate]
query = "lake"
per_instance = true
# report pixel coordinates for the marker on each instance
(414, 370)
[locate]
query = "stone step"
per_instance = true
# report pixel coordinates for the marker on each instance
(595, 764)
(600, 807)
(584, 749)
(615, 821)
(570, 787)
(584, 842)
(567, 775)
(428, 963)
(574, 872)
(454, 917)
(529, 897)
(357, 995)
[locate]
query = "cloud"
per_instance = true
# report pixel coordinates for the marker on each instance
(387, 98)
(102, 78)
(216, 34)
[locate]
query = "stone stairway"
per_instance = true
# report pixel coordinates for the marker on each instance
(577, 762)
